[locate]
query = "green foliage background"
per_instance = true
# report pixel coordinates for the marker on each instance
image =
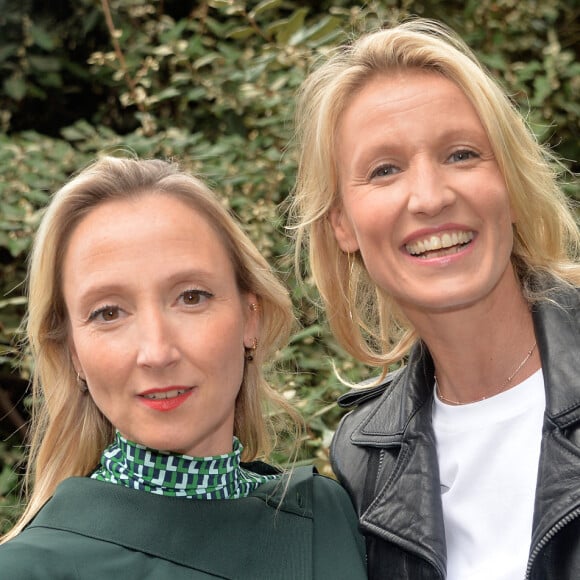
(212, 84)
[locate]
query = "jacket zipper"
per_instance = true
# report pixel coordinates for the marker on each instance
(548, 536)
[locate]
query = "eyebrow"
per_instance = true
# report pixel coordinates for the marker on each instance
(93, 291)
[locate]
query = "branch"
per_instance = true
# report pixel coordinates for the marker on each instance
(120, 56)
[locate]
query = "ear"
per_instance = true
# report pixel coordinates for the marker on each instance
(253, 316)
(343, 230)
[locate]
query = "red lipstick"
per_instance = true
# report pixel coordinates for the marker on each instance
(166, 399)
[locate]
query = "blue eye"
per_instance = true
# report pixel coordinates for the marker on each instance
(106, 313)
(462, 155)
(384, 171)
(194, 297)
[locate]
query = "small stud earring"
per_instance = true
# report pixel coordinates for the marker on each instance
(254, 306)
(251, 350)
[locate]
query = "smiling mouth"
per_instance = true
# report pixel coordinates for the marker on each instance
(439, 245)
(166, 394)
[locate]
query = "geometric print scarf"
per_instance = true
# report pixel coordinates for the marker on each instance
(137, 467)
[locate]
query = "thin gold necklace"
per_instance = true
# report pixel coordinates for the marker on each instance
(501, 388)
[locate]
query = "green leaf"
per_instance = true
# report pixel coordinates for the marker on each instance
(542, 90)
(44, 63)
(264, 6)
(292, 25)
(15, 87)
(319, 30)
(7, 51)
(209, 58)
(220, 3)
(42, 38)
(241, 32)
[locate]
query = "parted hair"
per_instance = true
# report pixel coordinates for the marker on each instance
(68, 431)
(363, 317)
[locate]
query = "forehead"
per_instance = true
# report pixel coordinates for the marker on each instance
(152, 226)
(406, 89)
(407, 107)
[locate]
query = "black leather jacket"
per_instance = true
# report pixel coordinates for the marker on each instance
(384, 453)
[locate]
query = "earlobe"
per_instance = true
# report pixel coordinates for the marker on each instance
(253, 315)
(342, 229)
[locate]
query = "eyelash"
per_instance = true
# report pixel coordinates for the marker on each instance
(196, 292)
(115, 309)
(375, 172)
(468, 152)
(99, 311)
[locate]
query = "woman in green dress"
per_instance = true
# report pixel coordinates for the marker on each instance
(150, 317)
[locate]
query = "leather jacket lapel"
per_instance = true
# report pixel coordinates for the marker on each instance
(408, 473)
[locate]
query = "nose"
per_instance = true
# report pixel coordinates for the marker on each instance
(429, 192)
(157, 345)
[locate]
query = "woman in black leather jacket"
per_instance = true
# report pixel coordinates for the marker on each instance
(438, 236)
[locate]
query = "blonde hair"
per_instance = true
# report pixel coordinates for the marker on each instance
(68, 431)
(365, 319)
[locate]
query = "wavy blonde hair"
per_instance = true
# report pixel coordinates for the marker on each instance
(365, 319)
(68, 431)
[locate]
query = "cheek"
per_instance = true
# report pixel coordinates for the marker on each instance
(103, 361)
(220, 346)
(373, 226)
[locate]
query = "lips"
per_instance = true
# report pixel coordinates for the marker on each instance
(155, 395)
(166, 399)
(440, 244)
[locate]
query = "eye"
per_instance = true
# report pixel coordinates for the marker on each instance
(384, 171)
(194, 297)
(462, 155)
(105, 314)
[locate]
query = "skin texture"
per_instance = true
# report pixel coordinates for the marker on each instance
(414, 162)
(158, 307)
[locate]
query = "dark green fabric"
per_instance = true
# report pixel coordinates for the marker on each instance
(286, 530)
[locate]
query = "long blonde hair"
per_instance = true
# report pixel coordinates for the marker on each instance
(364, 318)
(68, 432)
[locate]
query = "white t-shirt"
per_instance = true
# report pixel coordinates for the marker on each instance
(488, 461)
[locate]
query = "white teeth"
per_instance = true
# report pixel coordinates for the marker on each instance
(438, 242)
(165, 395)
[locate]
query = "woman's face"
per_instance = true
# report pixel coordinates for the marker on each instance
(422, 196)
(157, 324)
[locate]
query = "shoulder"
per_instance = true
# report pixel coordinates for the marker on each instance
(367, 391)
(30, 554)
(339, 548)
(362, 400)
(329, 494)
(305, 492)
(363, 430)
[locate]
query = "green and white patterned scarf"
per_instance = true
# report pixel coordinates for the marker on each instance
(137, 467)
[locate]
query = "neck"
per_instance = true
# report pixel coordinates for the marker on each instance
(475, 349)
(137, 467)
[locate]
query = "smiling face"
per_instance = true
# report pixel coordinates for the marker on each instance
(422, 196)
(157, 323)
